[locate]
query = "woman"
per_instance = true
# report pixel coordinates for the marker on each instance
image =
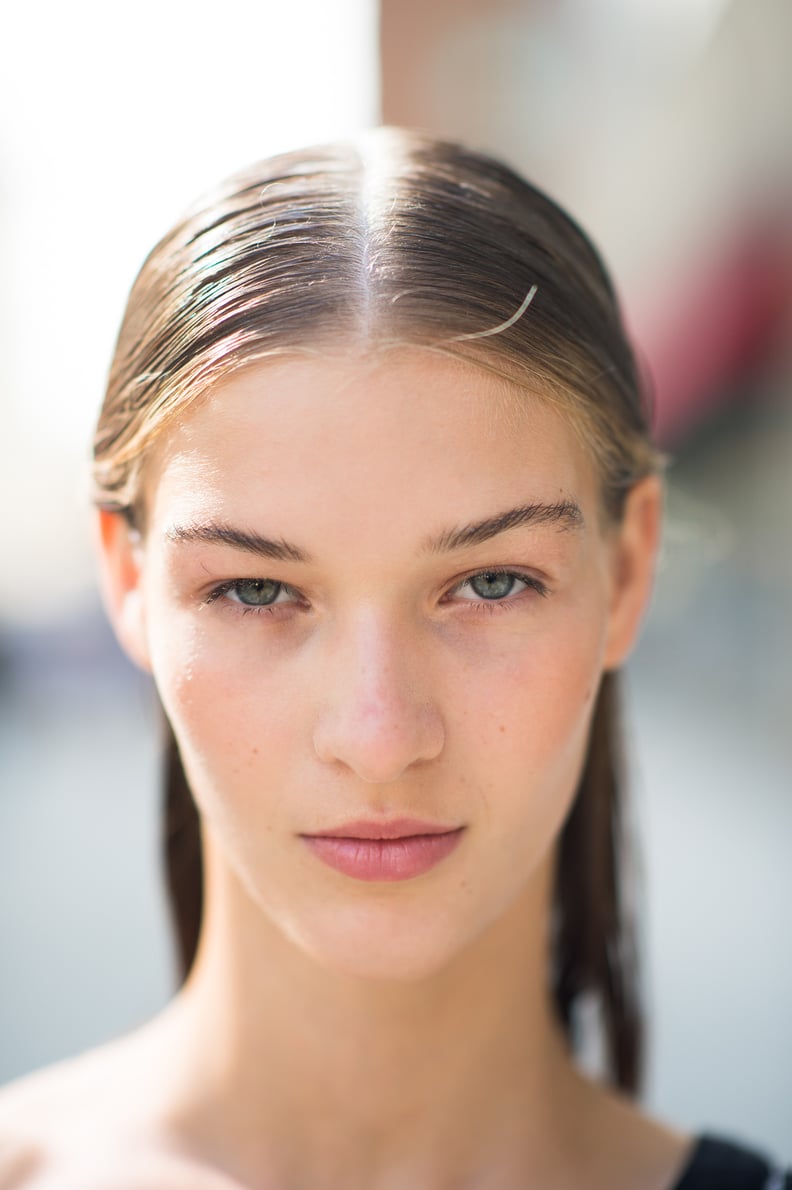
(378, 509)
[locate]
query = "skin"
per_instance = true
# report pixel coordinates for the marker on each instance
(335, 1032)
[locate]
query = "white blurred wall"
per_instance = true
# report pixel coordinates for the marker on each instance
(113, 118)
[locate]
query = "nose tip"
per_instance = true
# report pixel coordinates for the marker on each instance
(377, 740)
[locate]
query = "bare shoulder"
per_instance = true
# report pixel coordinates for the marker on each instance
(28, 1108)
(91, 1123)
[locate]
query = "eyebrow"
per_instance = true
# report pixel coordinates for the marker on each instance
(215, 533)
(564, 515)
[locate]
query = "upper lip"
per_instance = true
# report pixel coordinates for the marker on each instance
(396, 828)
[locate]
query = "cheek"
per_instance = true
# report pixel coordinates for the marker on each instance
(532, 692)
(235, 717)
(524, 726)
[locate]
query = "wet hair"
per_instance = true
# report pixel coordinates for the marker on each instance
(399, 239)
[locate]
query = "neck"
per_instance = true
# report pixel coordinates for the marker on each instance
(310, 1076)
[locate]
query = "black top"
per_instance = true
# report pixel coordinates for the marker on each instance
(720, 1164)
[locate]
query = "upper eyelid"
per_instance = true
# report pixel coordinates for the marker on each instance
(516, 571)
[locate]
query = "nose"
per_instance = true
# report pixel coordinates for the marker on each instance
(376, 718)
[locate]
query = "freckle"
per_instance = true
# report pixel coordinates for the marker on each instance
(501, 728)
(255, 751)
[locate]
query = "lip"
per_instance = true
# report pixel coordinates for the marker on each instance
(400, 855)
(394, 828)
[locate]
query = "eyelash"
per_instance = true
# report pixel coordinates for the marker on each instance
(493, 606)
(484, 606)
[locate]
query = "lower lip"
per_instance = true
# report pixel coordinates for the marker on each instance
(384, 859)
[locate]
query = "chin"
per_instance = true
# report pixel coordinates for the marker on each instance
(393, 939)
(395, 945)
(413, 966)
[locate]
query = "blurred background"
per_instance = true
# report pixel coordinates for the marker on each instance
(664, 127)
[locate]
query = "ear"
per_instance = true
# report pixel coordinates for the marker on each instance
(120, 555)
(635, 547)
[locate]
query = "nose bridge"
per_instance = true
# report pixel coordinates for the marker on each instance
(379, 655)
(378, 715)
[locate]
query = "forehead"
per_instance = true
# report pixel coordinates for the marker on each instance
(397, 431)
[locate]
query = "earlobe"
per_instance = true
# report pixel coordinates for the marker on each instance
(634, 558)
(120, 557)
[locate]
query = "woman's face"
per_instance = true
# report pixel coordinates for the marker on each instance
(334, 641)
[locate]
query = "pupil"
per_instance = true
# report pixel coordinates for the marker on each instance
(258, 591)
(493, 585)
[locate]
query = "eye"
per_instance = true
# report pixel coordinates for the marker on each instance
(253, 594)
(496, 585)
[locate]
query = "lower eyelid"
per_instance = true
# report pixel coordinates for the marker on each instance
(235, 607)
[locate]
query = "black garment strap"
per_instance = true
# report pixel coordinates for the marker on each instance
(718, 1164)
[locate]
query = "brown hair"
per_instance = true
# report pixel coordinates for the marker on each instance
(398, 238)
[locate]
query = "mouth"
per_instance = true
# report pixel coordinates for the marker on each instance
(387, 852)
(396, 828)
